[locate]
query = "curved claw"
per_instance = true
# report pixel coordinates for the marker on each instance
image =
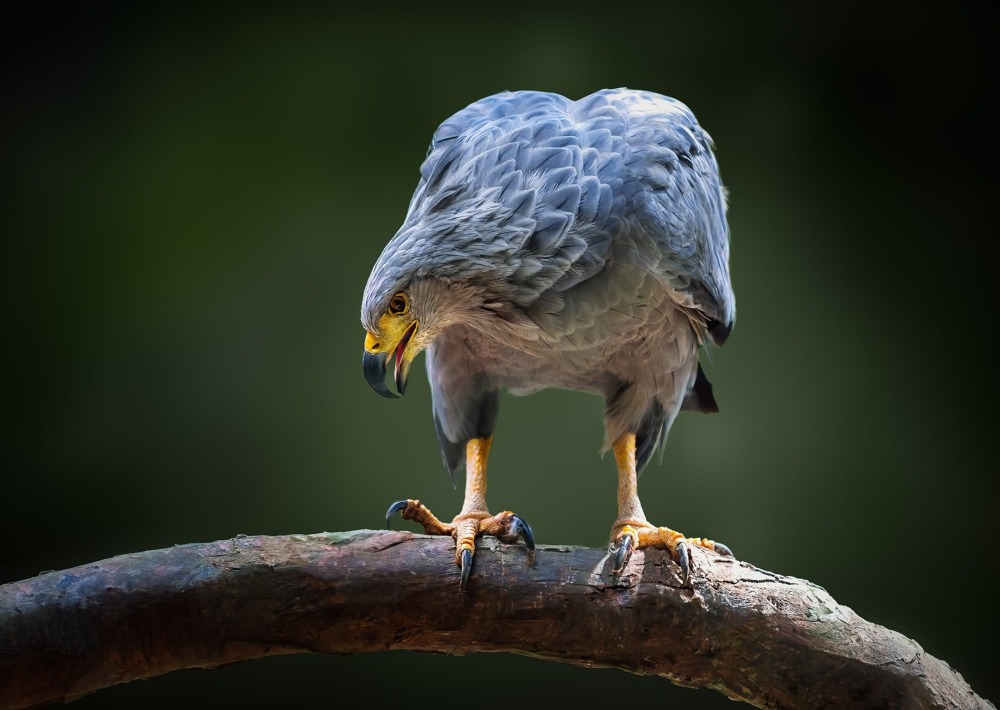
(524, 530)
(393, 509)
(723, 550)
(466, 566)
(622, 555)
(684, 560)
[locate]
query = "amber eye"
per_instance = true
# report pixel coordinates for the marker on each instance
(399, 303)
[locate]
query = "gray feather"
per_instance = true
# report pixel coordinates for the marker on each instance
(594, 234)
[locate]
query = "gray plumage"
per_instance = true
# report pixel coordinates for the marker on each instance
(571, 244)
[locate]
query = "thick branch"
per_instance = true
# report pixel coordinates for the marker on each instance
(772, 641)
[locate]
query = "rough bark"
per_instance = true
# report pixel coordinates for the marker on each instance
(769, 640)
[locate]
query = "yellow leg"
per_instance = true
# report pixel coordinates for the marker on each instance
(474, 511)
(629, 506)
(632, 531)
(475, 518)
(477, 451)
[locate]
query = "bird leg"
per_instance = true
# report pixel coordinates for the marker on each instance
(632, 531)
(475, 518)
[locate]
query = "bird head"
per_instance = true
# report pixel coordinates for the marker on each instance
(449, 263)
(391, 337)
(401, 322)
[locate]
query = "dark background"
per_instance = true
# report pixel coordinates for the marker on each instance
(192, 203)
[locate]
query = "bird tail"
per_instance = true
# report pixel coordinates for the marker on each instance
(700, 398)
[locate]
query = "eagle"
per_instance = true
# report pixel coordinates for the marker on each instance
(553, 243)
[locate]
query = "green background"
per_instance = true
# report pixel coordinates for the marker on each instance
(192, 203)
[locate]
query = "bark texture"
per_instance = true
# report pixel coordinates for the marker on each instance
(769, 640)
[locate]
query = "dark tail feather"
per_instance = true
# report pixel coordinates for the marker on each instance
(484, 409)
(719, 331)
(700, 398)
(452, 454)
(649, 436)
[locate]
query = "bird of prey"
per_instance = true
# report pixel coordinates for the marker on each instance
(580, 245)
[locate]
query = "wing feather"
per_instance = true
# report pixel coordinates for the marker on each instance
(619, 175)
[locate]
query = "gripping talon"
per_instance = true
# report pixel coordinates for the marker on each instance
(622, 555)
(393, 509)
(524, 530)
(684, 560)
(466, 566)
(723, 550)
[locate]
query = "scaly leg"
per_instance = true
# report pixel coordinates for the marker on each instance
(632, 531)
(475, 518)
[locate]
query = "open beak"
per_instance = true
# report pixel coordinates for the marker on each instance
(376, 360)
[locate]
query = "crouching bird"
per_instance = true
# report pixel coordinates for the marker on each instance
(555, 243)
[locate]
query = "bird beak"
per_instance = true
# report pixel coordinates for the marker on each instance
(375, 374)
(376, 358)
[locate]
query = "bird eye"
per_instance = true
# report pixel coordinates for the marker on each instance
(399, 303)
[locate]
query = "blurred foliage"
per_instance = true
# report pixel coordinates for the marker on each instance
(192, 202)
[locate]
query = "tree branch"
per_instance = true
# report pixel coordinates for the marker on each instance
(769, 640)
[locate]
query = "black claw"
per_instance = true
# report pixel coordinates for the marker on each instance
(524, 530)
(622, 554)
(393, 509)
(723, 550)
(684, 560)
(466, 566)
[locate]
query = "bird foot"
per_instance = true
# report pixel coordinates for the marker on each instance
(628, 536)
(465, 528)
(419, 513)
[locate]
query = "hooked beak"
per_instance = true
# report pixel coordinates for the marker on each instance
(376, 360)
(374, 364)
